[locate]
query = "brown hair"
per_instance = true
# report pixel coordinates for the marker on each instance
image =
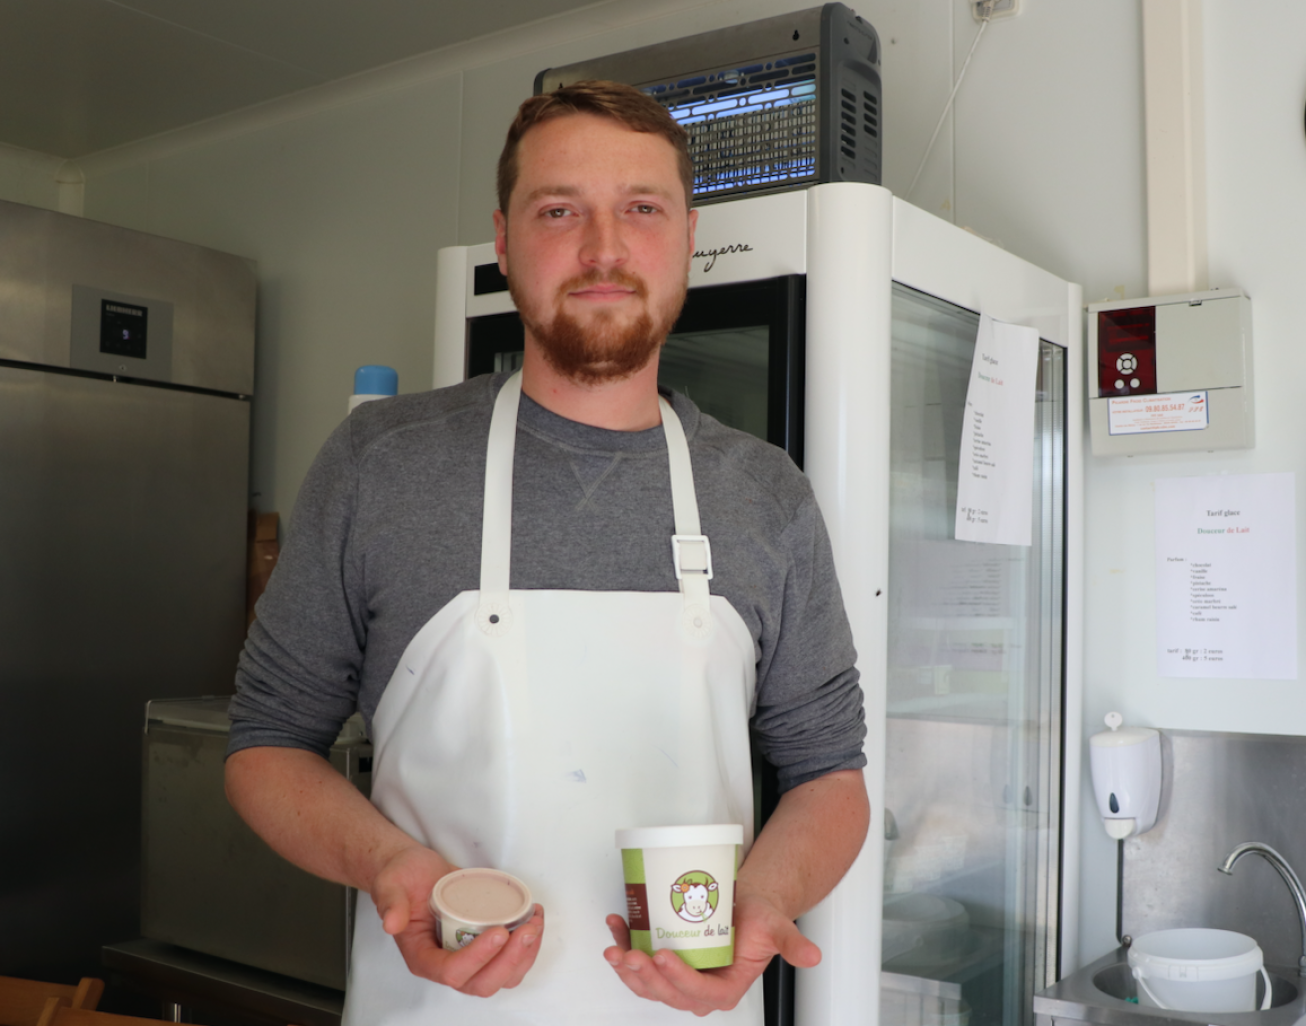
(624, 103)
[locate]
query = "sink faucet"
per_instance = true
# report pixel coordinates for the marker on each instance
(1289, 877)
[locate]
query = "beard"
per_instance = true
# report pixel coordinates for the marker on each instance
(607, 349)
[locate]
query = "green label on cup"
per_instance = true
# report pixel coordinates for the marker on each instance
(632, 865)
(708, 958)
(681, 899)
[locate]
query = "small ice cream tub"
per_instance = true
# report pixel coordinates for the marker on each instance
(467, 902)
(680, 890)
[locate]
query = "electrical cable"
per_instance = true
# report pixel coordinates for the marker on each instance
(984, 23)
(1120, 892)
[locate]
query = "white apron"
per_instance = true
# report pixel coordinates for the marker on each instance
(522, 728)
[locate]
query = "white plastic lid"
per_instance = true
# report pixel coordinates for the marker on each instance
(1195, 955)
(1122, 738)
(1119, 736)
(925, 909)
(508, 904)
(680, 836)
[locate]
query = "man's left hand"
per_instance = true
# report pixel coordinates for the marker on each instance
(761, 932)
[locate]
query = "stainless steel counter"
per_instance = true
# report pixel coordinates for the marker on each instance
(1078, 998)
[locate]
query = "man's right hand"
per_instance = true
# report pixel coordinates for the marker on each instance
(493, 961)
(297, 802)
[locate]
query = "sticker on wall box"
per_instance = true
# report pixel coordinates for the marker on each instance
(1145, 414)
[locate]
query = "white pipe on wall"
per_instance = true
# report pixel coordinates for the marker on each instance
(1174, 101)
(70, 187)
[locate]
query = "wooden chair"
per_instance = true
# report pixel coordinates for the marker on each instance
(23, 1001)
(57, 1013)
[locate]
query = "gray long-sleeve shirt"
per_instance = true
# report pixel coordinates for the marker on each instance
(387, 530)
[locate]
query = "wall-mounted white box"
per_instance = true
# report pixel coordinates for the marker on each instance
(1171, 374)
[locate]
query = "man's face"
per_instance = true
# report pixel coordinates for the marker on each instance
(596, 245)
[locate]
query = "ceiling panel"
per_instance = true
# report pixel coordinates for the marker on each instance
(79, 76)
(340, 37)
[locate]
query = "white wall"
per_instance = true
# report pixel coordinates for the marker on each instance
(1256, 150)
(28, 177)
(343, 208)
(1050, 142)
(344, 195)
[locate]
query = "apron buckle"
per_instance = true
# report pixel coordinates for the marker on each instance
(692, 555)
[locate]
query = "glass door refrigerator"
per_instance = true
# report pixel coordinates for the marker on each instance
(839, 323)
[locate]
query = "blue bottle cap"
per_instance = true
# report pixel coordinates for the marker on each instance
(376, 380)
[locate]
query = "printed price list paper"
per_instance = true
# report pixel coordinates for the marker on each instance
(995, 476)
(1226, 576)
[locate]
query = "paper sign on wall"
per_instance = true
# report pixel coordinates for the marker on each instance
(1226, 576)
(995, 476)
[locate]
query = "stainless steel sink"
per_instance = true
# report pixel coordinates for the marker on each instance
(1104, 992)
(1117, 981)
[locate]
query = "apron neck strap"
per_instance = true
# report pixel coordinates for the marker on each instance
(691, 555)
(496, 510)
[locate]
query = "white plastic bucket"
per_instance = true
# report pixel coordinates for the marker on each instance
(1198, 970)
(948, 1012)
(922, 930)
(680, 890)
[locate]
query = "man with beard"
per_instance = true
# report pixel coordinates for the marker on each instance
(565, 604)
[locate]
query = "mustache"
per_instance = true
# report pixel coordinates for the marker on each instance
(594, 276)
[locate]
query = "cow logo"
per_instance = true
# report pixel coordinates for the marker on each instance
(465, 937)
(694, 897)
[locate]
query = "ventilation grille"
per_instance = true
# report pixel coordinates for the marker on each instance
(859, 130)
(748, 127)
(854, 123)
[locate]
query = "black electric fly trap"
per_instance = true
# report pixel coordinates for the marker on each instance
(780, 103)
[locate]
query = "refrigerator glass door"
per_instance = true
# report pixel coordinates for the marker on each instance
(975, 678)
(736, 351)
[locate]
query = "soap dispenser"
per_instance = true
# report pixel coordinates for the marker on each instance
(1126, 767)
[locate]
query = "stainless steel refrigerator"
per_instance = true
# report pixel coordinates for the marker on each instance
(840, 323)
(126, 369)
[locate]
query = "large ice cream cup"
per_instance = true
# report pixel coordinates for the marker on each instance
(680, 890)
(467, 902)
